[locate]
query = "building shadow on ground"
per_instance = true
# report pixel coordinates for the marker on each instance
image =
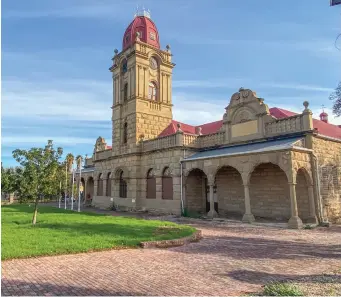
(260, 248)
(21, 288)
(260, 278)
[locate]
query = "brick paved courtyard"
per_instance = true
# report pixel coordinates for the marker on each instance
(232, 259)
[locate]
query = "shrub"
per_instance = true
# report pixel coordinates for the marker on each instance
(282, 289)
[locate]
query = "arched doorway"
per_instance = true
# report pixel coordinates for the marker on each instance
(230, 192)
(82, 189)
(196, 189)
(269, 192)
(305, 197)
(89, 190)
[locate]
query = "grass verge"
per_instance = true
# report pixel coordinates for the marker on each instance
(60, 231)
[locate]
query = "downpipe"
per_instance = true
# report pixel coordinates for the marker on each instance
(181, 185)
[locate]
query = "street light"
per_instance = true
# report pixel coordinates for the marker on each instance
(73, 182)
(79, 165)
(65, 184)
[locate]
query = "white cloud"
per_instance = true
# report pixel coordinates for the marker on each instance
(217, 83)
(39, 140)
(74, 9)
(78, 100)
(293, 86)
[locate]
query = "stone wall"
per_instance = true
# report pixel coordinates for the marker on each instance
(230, 191)
(269, 192)
(329, 159)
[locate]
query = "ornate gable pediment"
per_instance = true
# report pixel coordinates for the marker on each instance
(245, 106)
(100, 144)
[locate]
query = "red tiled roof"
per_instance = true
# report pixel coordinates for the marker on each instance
(108, 147)
(279, 113)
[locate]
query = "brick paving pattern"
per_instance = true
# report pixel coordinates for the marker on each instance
(232, 259)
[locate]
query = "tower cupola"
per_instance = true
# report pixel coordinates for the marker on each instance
(144, 27)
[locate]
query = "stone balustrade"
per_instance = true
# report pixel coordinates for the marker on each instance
(211, 139)
(160, 143)
(283, 126)
(102, 155)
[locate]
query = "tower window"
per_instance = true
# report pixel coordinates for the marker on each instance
(125, 92)
(125, 67)
(125, 132)
(152, 94)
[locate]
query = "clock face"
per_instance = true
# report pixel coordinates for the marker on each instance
(153, 63)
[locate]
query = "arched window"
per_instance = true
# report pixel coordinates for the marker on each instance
(151, 185)
(125, 132)
(152, 93)
(123, 186)
(100, 185)
(167, 184)
(108, 189)
(125, 92)
(124, 66)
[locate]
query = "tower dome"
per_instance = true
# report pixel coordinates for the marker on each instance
(324, 116)
(146, 28)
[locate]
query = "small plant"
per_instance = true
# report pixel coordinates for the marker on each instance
(281, 289)
(308, 227)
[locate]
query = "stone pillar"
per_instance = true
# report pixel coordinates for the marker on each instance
(248, 216)
(312, 212)
(104, 187)
(95, 187)
(295, 222)
(212, 213)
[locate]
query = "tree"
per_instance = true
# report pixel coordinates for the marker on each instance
(336, 97)
(69, 161)
(40, 171)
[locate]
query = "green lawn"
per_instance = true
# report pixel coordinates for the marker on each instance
(60, 231)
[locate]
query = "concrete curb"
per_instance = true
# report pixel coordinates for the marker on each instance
(196, 236)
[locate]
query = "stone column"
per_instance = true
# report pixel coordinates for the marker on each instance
(295, 222)
(212, 213)
(95, 187)
(248, 216)
(312, 212)
(104, 187)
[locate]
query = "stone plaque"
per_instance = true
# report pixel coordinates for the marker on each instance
(244, 129)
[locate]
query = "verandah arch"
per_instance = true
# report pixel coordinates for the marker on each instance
(305, 197)
(89, 189)
(229, 198)
(100, 185)
(108, 185)
(269, 192)
(196, 184)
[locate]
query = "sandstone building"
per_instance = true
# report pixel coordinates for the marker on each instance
(255, 162)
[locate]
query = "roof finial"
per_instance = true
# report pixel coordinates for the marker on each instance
(323, 107)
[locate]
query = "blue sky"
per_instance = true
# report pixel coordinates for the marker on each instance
(56, 54)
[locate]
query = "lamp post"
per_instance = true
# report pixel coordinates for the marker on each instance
(73, 182)
(80, 181)
(65, 185)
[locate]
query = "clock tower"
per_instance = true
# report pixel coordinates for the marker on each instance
(142, 84)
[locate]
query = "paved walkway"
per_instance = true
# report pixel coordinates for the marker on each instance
(232, 259)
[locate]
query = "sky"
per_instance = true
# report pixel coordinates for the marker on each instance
(56, 54)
